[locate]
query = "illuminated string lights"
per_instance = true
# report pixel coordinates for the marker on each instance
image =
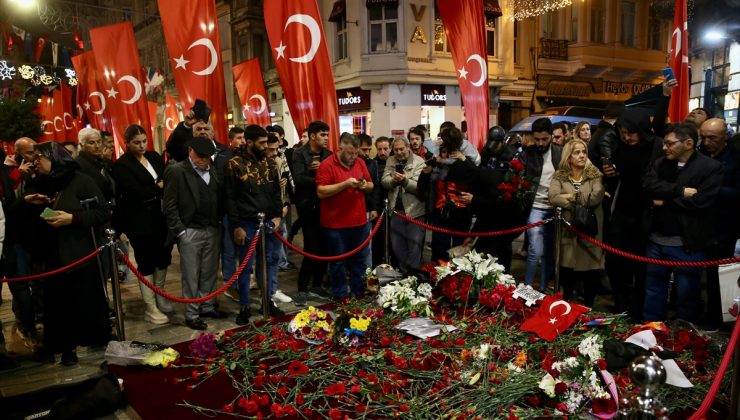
(523, 9)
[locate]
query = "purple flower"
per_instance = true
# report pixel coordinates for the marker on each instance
(203, 346)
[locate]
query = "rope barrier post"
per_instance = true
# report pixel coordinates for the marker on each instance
(387, 234)
(558, 238)
(263, 267)
(115, 285)
(734, 404)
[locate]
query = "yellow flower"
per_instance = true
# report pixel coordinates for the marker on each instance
(301, 319)
(359, 324)
(161, 358)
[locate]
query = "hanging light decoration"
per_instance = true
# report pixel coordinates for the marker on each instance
(523, 9)
(26, 72)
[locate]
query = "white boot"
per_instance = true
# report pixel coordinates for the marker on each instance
(152, 313)
(163, 303)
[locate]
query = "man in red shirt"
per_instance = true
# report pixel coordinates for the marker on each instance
(342, 182)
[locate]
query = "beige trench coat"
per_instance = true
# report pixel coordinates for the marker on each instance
(576, 253)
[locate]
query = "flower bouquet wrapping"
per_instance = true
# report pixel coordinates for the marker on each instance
(126, 353)
(312, 325)
(354, 329)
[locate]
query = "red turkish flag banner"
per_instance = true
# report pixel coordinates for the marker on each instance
(679, 62)
(465, 26)
(171, 117)
(117, 62)
(45, 108)
(554, 317)
(251, 90)
(302, 60)
(66, 112)
(191, 30)
(89, 95)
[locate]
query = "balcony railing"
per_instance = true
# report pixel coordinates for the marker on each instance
(555, 49)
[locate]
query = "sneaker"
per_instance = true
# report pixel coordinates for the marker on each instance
(280, 297)
(319, 292)
(301, 299)
(232, 294)
(243, 317)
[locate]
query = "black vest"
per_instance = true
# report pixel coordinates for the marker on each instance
(207, 212)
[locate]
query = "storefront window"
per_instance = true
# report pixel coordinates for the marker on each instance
(383, 23)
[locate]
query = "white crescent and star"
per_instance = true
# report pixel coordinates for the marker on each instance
(167, 122)
(181, 62)
(313, 28)
(137, 88)
(263, 104)
(553, 320)
(463, 73)
(64, 120)
(102, 102)
(44, 124)
(55, 123)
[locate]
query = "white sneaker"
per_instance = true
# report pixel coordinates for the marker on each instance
(281, 297)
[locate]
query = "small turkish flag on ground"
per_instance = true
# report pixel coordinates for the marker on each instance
(554, 317)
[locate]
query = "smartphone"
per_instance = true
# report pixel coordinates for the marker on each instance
(316, 158)
(668, 73)
(605, 161)
(285, 174)
(399, 168)
(48, 213)
(431, 162)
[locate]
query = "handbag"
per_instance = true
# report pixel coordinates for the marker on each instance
(584, 219)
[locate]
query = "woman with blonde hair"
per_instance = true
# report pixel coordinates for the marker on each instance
(583, 131)
(577, 181)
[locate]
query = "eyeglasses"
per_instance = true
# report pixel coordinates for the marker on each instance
(669, 144)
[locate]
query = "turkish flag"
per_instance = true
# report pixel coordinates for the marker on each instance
(117, 62)
(679, 62)
(64, 110)
(171, 117)
(191, 30)
(465, 26)
(45, 108)
(251, 90)
(302, 60)
(554, 317)
(89, 96)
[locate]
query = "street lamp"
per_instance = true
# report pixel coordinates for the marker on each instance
(23, 4)
(715, 35)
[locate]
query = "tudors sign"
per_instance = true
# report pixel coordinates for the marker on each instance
(433, 95)
(354, 99)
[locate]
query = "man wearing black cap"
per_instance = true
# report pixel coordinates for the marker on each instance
(192, 205)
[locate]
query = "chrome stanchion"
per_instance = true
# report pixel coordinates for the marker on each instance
(115, 285)
(649, 374)
(263, 267)
(387, 234)
(558, 239)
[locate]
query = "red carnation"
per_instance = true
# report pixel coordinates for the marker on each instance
(335, 389)
(299, 399)
(385, 341)
(507, 196)
(251, 407)
(296, 368)
(335, 414)
(560, 388)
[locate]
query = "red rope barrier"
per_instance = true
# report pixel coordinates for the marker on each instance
(650, 260)
(56, 271)
(337, 257)
(168, 296)
(460, 233)
(714, 388)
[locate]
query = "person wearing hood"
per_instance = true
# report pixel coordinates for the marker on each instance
(75, 308)
(626, 227)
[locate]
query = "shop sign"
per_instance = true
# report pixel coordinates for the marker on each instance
(434, 95)
(354, 99)
(620, 88)
(560, 88)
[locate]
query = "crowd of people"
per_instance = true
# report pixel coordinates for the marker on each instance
(668, 191)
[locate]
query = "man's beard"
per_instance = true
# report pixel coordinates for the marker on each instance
(259, 154)
(348, 161)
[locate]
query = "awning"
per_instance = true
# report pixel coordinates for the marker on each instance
(371, 3)
(492, 9)
(338, 11)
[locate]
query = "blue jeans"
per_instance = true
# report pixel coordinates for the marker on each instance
(340, 241)
(228, 254)
(686, 281)
(541, 247)
(283, 250)
(407, 241)
(271, 250)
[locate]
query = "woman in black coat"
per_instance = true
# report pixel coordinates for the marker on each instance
(75, 309)
(138, 175)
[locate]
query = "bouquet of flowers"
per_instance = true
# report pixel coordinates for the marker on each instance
(406, 296)
(516, 186)
(463, 277)
(578, 380)
(312, 325)
(351, 329)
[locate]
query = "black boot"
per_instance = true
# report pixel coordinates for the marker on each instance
(244, 314)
